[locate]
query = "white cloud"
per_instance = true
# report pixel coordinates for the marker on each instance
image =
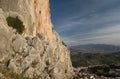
(101, 24)
(108, 35)
(90, 20)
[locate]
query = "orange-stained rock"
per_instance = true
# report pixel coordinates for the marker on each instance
(38, 52)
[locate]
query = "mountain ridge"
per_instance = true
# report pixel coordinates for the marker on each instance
(96, 48)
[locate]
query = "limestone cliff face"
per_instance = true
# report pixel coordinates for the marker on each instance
(35, 15)
(38, 52)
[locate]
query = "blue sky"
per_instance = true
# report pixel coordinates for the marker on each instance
(87, 21)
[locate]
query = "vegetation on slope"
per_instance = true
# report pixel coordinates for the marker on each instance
(89, 59)
(16, 23)
(9, 75)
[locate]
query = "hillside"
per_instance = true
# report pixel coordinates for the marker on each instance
(91, 59)
(97, 65)
(95, 48)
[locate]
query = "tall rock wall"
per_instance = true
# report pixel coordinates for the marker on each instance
(35, 15)
(38, 52)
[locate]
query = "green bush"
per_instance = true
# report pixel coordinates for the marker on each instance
(16, 23)
(76, 77)
(64, 43)
(9, 75)
(34, 63)
(17, 76)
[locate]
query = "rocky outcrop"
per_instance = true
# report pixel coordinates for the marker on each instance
(111, 71)
(36, 52)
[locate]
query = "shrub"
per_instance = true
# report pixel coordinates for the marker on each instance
(34, 63)
(64, 44)
(77, 77)
(15, 23)
(9, 75)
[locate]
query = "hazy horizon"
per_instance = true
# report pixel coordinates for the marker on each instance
(87, 21)
(93, 44)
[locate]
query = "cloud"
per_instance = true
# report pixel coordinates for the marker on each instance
(108, 35)
(89, 21)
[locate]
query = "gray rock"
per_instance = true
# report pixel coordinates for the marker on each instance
(12, 66)
(19, 44)
(41, 36)
(30, 73)
(38, 52)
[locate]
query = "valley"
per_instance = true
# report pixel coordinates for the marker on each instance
(96, 63)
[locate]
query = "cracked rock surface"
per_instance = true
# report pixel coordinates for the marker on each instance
(38, 52)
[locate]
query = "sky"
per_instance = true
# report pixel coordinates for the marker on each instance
(87, 21)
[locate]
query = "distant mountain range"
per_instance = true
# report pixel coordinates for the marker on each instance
(94, 54)
(95, 48)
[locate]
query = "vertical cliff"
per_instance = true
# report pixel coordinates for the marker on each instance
(29, 44)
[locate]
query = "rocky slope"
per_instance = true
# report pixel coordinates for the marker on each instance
(111, 71)
(29, 44)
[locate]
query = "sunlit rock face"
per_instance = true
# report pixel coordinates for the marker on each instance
(34, 13)
(38, 52)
